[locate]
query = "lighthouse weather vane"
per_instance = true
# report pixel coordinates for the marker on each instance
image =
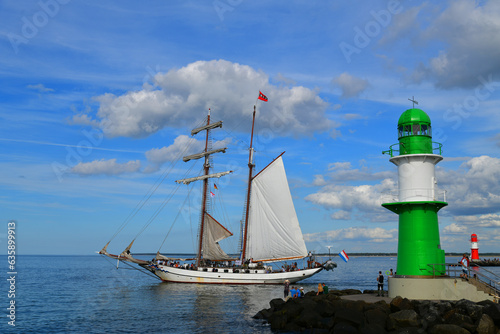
(413, 100)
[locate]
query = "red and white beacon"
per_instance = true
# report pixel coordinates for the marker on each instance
(474, 253)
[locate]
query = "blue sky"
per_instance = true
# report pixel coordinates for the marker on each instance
(98, 100)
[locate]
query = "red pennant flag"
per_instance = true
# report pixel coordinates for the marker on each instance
(262, 97)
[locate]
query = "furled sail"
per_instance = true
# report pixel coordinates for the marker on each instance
(203, 177)
(104, 250)
(273, 228)
(166, 258)
(207, 127)
(128, 256)
(203, 154)
(213, 232)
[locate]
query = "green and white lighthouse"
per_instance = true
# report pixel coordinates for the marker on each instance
(417, 203)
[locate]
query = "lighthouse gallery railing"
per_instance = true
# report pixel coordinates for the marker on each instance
(437, 147)
(436, 194)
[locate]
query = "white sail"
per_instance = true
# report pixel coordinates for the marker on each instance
(273, 228)
(213, 232)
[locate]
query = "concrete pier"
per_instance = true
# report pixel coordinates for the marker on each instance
(439, 288)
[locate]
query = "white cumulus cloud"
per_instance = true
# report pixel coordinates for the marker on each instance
(341, 215)
(474, 188)
(470, 32)
(106, 167)
(351, 86)
(182, 97)
(183, 145)
(366, 198)
(454, 228)
(488, 220)
(376, 234)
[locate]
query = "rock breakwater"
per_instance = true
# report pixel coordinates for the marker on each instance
(486, 263)
(331, 313)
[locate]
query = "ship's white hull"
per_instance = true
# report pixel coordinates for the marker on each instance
(227, 276)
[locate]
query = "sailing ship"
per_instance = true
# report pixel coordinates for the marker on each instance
(270, 234)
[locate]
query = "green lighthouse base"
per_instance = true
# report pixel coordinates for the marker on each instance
(419, 248)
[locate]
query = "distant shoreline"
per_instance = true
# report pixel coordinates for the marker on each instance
(481, 256)
(395, 254)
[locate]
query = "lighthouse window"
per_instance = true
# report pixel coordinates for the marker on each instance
(400, 131)
(407, 131)
(416, 129)
(423, 127)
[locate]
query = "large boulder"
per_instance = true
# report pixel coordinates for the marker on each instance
(381, 305)
(429, 315)
(420, 306)
(350, 292)
(448, 329)
(355, 305)
(376, 317)
(401, 319)
(308, 319)
(263, 314)
(399, 303)
(332, 297)
(370, 292)
(492, 309)
(443, 306)
(454, 317)
(325, 308)
(344, 292)
(276, 303)
(350, 316)
(278, 321)
(473, 310)
(292, 310)
(486, 325)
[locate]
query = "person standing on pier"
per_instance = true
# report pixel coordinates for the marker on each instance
(380, 287)
(390, 274)
(465, 266)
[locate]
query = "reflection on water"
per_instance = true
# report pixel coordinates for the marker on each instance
(214, 308)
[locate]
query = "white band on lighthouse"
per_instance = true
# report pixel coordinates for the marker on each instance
(417, 181)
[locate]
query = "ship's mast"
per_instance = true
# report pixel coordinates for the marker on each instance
(205, 154)
(204, 199)
(250, 170)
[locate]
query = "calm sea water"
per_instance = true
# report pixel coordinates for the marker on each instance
(87, 294)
